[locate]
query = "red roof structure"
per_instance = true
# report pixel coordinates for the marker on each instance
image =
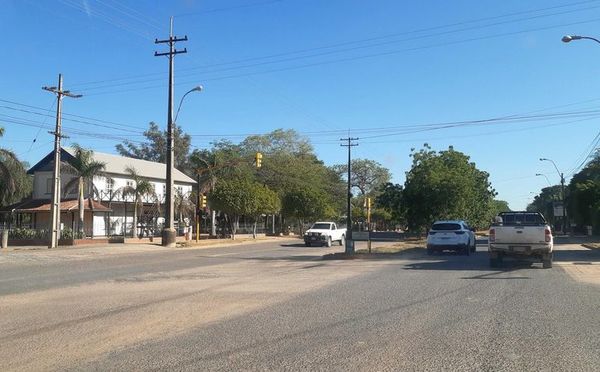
(41, 205)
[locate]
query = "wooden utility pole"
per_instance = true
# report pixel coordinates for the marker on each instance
(349, 241)
(55, 208)
(168, 233)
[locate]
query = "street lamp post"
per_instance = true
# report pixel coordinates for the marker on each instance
(562, 191)
(569, 38)
(546, 177)
(169, 233)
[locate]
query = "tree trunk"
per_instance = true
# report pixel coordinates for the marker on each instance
(135, 212)
(234, 225)
(254, 229)
(213, 227)
(81, 208)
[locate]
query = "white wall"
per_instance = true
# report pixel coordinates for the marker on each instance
(40, 191)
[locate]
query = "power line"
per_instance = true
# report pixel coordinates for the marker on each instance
(381, 37)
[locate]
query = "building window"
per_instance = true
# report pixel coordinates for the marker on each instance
(180, 190)
(129, 183)
(49, 182)
(110, 184)
(164, 189)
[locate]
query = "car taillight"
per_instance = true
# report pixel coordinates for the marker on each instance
(492, 237)
(459, 232)
(548, 234)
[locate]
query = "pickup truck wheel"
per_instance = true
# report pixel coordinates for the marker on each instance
(429, 251)
(328, 242)
(307, 244)
(547, 261)
(343, 239)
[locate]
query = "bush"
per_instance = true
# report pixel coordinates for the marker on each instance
(27, 234)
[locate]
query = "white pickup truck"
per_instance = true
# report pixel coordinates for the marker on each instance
(324, 233)
(520, 234)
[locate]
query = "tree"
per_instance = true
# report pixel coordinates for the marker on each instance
(268, 202)
(583, 197)
(184, 207)
(15, 184)
(389, 199)
(306, 204)
(84, 168)
(544, 202)
(155, 146)
(140, 188)
(367, 176)
(445, 185)
(241, 197)
(278, 141)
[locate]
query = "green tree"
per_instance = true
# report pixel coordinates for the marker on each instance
(240, 197)
(306, 204)
(367, 175)
(183, 206)
(267, 202)
(140, 188)
(278, 141)
(445, 185)
(15, 184)
(155, 147)
(583, 197)
(389, 199)
(84, 168)
(544, 202)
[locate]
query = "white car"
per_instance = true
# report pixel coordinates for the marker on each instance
(453, 235)
(324, 234)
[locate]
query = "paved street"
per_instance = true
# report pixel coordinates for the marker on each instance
(278, 306)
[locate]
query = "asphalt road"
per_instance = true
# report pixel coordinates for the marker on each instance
(278, 306)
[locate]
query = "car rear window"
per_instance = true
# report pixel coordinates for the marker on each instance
(321, 226)
(522, 219)
(445, 226)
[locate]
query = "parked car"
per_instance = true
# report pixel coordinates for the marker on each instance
(324, 234)
(451, 236)
(521, 234)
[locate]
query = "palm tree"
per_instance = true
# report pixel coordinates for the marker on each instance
(205, 164)
(10, 166)
(184, 207)
(140, 188)
(84, 168)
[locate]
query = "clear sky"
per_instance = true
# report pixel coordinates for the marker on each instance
(323, 67)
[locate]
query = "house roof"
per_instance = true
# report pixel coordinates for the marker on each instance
(116, 164)
(44, 205)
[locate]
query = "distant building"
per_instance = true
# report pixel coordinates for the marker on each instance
(107, 210)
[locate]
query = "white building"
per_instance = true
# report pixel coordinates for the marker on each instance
(107, 211)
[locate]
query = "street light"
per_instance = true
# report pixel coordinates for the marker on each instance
(546, 177)
(562, 190)
(198, 88)
(569, 38)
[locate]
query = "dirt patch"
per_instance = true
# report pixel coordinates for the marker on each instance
(390, 251)
(592, 245)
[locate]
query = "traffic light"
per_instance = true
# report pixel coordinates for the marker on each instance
(258, 160)
(203, 201)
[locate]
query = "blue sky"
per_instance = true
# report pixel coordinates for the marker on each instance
(321, 67)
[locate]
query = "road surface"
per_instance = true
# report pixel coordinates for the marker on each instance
(278, 306)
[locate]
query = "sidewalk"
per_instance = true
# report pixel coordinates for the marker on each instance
(133, 245)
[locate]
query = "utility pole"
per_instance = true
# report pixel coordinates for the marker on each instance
(169, 234)
(349, 241)
(564, 203)
(55, 207)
